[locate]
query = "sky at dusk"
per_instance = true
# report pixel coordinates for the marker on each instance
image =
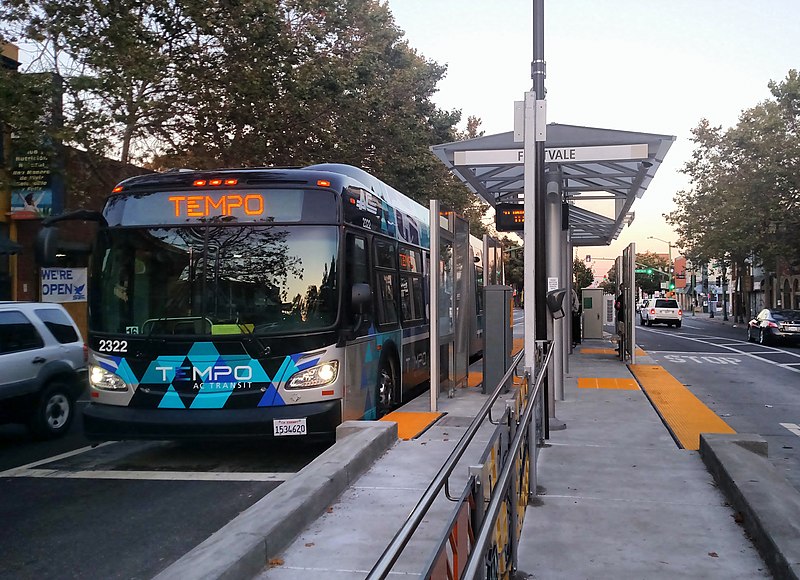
(654, 67)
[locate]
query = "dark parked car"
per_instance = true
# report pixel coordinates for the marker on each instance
(774, 325)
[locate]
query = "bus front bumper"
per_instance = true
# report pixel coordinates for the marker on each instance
(110, 422)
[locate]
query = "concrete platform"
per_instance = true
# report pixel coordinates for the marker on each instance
(618, 498)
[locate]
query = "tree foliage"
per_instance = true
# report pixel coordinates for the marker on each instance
(583, 274)
(744, 198)
(227, 83)
(514, 264)
(650, 283)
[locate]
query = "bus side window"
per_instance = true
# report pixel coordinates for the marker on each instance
(412, 301)
(386, 270)
(357, 266)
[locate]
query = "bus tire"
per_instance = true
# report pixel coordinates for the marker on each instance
(386, 398)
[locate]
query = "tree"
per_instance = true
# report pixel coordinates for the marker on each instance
(745, 183)
(513, 264)
(609, 283)
(583, 274)
(659, 265)
(193, 83)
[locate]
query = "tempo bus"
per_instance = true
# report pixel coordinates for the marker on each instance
(255, 302)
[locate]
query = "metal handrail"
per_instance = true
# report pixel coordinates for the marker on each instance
(392, 552)
(498, 495)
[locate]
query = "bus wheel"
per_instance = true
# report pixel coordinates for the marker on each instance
(387, 387)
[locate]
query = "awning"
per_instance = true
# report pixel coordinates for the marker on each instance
(7, 247)
(597, 167)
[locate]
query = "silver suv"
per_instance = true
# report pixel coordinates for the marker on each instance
(42, 367)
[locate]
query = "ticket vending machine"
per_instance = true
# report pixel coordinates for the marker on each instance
(593, 312)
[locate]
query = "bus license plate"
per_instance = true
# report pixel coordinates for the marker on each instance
(281, 427)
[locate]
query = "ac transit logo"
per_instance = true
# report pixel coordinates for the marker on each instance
(367, 202)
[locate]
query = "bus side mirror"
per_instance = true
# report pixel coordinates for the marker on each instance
(555, 302)
(47, 244)
(360, 298)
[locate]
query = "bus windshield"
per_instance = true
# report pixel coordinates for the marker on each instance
(215, 280)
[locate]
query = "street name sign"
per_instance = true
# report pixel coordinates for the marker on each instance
(553, 155)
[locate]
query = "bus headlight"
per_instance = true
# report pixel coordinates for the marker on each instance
(318, 376)
(105, 380)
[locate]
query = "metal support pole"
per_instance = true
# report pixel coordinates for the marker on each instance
(568, 278)
(554, 272)
(434, 298)
(529, 247)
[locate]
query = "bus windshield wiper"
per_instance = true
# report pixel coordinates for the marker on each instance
(253, 338)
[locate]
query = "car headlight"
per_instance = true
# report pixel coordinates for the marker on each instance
(317, 376)
(105, 380)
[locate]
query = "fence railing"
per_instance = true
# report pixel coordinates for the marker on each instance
(480, 537)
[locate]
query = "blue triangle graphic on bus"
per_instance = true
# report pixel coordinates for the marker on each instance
(171, 400)
(211, 400)
(271, 398)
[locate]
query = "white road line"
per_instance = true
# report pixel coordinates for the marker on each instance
(148, 475)
(792, 427)
(11, 472)
(687, 352)
(30, 470)
(738, 351)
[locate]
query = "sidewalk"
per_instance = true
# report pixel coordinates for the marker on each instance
(617, 499)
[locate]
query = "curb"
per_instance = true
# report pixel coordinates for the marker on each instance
(768, 504)
(243, 547)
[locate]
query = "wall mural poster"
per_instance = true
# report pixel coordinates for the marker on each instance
(32, 188)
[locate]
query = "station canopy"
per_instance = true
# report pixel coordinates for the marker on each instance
(602, 172)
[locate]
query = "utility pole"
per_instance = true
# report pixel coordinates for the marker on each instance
(724, 291)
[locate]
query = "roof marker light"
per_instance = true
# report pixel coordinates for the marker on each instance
(117, 189)
(231, 181)
(215, 182)
(199, 182)
(323, 183)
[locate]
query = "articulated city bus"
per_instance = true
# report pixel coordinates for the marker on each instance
(257, 302)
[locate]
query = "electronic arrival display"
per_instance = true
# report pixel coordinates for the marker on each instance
(509, 217)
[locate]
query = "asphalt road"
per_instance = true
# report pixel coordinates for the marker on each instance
(754, 388)
(125, 509)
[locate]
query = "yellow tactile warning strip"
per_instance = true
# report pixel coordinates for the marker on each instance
(474, 379)
(684, 414)
(607, 383)
(639, 351)
(410, 425)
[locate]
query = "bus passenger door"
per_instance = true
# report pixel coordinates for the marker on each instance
(360, 350)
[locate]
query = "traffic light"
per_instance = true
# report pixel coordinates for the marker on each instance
(649, 270)
(672, 285)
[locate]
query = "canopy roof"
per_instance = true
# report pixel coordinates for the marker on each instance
(595, 164)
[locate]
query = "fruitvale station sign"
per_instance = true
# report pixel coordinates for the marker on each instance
(64, 284)
(552, 155)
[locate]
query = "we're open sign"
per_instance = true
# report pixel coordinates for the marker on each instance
(64, 284)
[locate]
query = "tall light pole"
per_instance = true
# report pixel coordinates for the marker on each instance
(670, 282)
